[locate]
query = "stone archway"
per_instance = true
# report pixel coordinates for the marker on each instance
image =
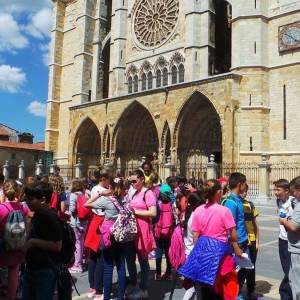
(87, 145)
(198, 134)
(135, 136)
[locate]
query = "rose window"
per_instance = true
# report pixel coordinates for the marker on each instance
(155, 21)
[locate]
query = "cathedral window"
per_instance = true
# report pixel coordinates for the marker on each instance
(136, 84)
(174, 75)
(144, 82)
(181, 73)
(158, 78)
(165, 76)
(130, 85)
(150, 80)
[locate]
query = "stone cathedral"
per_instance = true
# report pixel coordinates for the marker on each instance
(174, 80)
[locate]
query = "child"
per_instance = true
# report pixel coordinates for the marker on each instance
(11, 259)
(251, 214)
(43, 246)
(292, 226)
(285, 203)
(79, 226)
(237, 185)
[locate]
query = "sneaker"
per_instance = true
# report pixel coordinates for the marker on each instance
(75, 270)
(157, 277)
(166, 276)
(91, 293)
(138, 294)
(98, 297)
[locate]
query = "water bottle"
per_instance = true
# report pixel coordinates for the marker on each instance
(282, 213)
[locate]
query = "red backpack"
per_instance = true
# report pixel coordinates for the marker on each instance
(53, 202)
(165, 226)
(83, 213)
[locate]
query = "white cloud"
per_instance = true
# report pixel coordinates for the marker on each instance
(40, 24)
(37, 108)
(11, 78)
(19, 6)
(11, 37)
(45, 48)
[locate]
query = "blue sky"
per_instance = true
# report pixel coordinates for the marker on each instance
(24, 57)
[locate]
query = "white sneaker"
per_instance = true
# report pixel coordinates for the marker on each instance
(98, 297)
(138, 294)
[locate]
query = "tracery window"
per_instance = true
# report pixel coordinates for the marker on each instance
(174, 74)
(130, 85)
(181, 73)
(150, 80)
(144, 82)
(158, 78)
(136, 83)
(165, 76)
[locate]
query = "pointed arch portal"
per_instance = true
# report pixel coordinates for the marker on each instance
(135, 136)
(87, 145)
(198, 132)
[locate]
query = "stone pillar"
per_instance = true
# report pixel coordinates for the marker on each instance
(169, 168)
(39, 168)
(52, 168)
(212, 168)
(6, 170)
(78, 169)
(21, 170)
(264, 179)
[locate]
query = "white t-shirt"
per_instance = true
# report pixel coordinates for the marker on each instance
(188, 239)
(288, 207)
(95, 192)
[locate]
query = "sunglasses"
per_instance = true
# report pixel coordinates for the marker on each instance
(133, 181)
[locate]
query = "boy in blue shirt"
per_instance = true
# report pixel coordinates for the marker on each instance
(237, 185)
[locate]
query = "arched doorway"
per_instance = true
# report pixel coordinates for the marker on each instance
(135, 136)
(87, 146)
(199, 134)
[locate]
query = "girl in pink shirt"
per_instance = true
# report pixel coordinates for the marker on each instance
(11, 259)
(143, 204)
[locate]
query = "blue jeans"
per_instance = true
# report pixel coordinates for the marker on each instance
(285, 290)
(162, 247)
(95, 270)
(114, 255)
(39, 284)
(131, 253)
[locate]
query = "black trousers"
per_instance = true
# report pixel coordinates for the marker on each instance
(250, 276)
(285, 290)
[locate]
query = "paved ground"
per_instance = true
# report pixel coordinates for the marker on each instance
(269, 272)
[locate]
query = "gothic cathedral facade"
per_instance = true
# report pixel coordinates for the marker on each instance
(174, 80)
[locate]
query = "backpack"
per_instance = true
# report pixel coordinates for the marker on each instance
(125, 227)
(156, 218)
(14, 232)
(165, 226)
(83, 213)
(54, 201)
(68, 244)
(177, 249)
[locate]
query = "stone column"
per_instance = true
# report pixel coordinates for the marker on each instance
(39, 168)
(6, 170)
(264, 179)
(21, 170)
(169, 168)
(212, 167)
(52, 169)
(78, 169)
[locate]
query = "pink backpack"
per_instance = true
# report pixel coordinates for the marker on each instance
(165, 226)
(177, 249)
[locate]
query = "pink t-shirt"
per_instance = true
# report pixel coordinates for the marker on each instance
(140, 202)
(213, 221)
(145, 240)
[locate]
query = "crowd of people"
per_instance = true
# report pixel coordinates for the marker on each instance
(207, 231)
